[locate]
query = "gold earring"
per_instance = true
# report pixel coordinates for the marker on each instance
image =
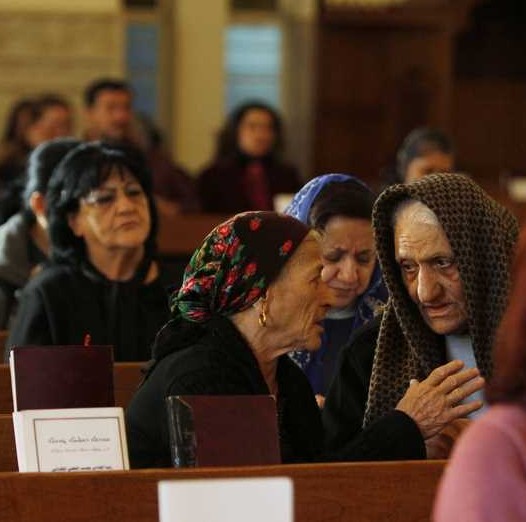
(262, 319)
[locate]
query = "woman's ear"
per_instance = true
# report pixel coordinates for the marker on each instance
(37, 203)
(75, 223)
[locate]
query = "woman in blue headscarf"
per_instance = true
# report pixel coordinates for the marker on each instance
(339, 206)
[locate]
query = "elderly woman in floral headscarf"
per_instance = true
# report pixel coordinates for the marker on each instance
(251, 294)
(340, 207)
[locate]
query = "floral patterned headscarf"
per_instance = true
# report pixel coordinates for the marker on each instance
(235, 264)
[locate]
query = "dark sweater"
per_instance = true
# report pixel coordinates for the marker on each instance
(62, 304)
(214, 359)
(394, 436)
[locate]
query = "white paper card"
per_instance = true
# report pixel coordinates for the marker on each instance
(226, 500)
(84, 439)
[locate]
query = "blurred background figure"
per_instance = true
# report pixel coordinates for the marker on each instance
(247, 171)
(103, 280)
(485, 478)
(30, 123)
(425, 150)
(174, 189)
(108, 111)
(110, 118)
(24, 241)
(340, 207)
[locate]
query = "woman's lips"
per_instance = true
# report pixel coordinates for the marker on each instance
(436, 311)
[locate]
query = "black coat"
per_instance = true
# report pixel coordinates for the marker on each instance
(394, 436)
(62, 304)
(214, 359)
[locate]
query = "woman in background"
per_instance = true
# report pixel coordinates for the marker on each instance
(24, 240)
(103, 283)
(485, 479)
(425, 150)
(340, 208)
(247, 171)
(30, 123)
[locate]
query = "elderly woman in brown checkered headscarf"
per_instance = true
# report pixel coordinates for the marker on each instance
(444, 248)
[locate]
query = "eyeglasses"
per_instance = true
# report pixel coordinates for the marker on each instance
(106, 198)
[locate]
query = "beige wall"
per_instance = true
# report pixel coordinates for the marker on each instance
(198, 78)
(57, 46)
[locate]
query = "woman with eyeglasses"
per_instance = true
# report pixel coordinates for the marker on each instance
(102, 285)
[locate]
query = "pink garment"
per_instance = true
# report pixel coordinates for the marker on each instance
(485, 480)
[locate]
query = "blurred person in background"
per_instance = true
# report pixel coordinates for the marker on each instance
(31, 122)
(24, 240)
(109, 117)
(247, 170)
(425, 150)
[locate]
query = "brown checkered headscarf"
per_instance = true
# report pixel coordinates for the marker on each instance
(482, 235)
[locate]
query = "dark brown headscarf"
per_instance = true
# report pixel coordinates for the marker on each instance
(482, 235)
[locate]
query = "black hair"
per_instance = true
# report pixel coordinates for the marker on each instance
(349, 198)
(82, 170)
(93, 90)
(418, 143)
(227, 143)
(12, 126)
(41, 163)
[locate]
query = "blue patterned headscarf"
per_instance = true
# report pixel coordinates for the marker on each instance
(369, 302)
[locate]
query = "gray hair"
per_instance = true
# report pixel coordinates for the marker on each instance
(418, 211)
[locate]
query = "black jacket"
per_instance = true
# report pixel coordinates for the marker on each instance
(214, 359)
(394, 436)
(62, 304)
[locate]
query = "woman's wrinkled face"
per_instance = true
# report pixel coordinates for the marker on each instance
(299, 300)
(349, 258)
(255, 133)
(114, 216)
(429, 163)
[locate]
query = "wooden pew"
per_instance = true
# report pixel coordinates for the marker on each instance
(181, 234)
(358, 492)
(126, 378)
(7, 443)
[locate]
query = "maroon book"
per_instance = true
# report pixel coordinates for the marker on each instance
(228, 430)
(49, 377)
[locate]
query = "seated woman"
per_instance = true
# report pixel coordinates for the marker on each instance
(424, 151)
(103, 283)
(24, 242)
(486, 478)
(247, 171)
(340, 208)
(251, 294)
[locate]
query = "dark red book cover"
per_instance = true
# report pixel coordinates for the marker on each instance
(234, 430)
(49, 377)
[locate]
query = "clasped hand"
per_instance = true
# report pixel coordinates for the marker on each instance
(436, 401)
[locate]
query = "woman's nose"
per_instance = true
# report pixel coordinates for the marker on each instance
(348, 272)
(428, 286)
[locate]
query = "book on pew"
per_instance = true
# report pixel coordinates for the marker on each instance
(85, 439)
(267, 499)
(44, 377)
(223, 430)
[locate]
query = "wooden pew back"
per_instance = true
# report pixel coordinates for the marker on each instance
(358, 492)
